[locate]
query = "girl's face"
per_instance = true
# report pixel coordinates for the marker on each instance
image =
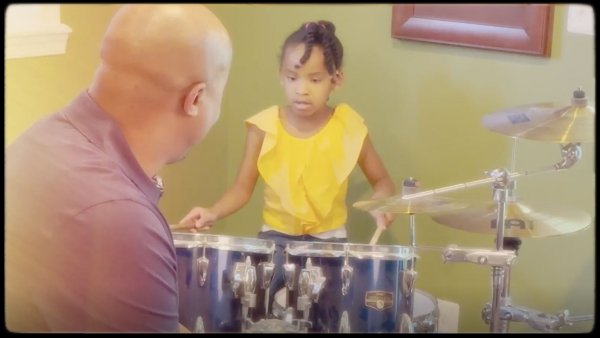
(307, 87)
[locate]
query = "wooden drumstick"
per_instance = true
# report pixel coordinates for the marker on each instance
(380, 227)
(376, 235)
(178, 226)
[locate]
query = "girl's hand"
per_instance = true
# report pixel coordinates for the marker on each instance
(383, 219)
(199, 218)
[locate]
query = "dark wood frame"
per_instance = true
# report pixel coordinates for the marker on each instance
(515, 28)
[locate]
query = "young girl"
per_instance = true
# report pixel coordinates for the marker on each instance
(304, 151)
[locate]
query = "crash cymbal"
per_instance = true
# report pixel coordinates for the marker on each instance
(421, 205)
(550, 122)
(521, 220)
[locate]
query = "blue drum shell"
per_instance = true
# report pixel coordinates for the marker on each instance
(214, 302)
(375, 300)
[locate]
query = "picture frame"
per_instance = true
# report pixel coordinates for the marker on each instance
(513, 28)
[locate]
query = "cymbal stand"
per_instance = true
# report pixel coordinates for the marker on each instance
(409, 186)
(500, 259)
(513, 244)
(535, 319)
(510, 243)
(503, 192)
(501, 187)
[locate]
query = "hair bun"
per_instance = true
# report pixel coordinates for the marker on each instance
(327, 25)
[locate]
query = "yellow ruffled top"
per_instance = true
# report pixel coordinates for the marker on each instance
(306, 179)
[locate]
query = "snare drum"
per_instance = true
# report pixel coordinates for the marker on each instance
(425, 313)
(222, 281)
(343, 287)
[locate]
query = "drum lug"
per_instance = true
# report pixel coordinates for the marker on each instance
(311, 281)
(408, 281)
(289, 270)
(249, 300)
(347, 273)
(406, 324)
(199, 327)
(244, 278)
(267, 273)
(202, 270)
(244, 284)
(345, 323)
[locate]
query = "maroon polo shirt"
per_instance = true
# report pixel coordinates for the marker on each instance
(86, 247)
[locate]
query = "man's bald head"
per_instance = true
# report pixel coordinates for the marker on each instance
(167, 44)
(162, 76)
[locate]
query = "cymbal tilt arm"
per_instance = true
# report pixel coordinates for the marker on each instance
(570, 152)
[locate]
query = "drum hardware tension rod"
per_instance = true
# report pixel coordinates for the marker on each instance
(429, 248)
(535, 319)
(479, 256)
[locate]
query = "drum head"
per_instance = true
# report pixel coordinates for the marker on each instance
(424, 304)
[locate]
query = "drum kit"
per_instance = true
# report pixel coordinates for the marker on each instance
(348, 287)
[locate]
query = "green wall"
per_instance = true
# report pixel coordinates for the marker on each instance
(36, 86)
(423, 104)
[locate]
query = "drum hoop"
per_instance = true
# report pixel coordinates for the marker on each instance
(360, 251)
(222, 242)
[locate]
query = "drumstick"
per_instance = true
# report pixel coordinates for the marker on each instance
(376, 235)
(178, 226)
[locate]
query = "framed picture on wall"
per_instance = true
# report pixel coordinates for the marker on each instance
(514, 28)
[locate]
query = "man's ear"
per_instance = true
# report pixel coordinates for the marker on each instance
(193, 99)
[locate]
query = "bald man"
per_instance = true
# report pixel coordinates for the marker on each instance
(86, 247)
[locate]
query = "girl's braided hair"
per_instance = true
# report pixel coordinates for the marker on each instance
(320, 33)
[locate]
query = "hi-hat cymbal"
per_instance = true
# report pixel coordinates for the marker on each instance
(521, 220)
(421, 205)
(550, 122)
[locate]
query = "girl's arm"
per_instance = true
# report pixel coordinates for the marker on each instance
(378, 177)
(374, 170)
(238, 193)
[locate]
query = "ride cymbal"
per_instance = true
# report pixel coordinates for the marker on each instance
(421, 205)
(521, 220)
(550, 122)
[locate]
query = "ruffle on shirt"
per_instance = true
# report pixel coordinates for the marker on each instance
(308, 189)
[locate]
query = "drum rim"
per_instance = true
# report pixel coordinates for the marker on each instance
(223, 242)
(355, 250)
